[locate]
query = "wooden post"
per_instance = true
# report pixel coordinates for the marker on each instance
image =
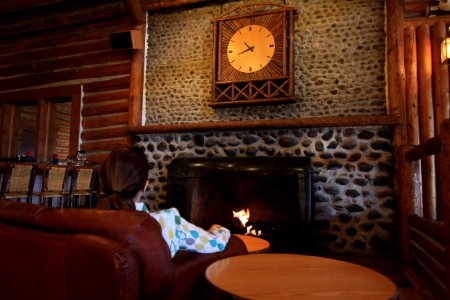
(136, 83)
(412, 89)
(42, 129)
(135, 11)
(138, 18)
(440, 75)
(75, 120)
(7, 129)
(426, 118)
(395, 66)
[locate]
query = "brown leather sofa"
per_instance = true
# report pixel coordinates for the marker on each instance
(82, 254)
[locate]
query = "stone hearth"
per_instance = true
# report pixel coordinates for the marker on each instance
(351, 183)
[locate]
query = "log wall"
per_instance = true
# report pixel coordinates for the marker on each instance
(421, 178)
(427, 95)
(68, 44)
(419, 94)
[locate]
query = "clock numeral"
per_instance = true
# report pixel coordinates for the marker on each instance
(261, 66)
(271, 46)
(249, 69)
(240, 67)
(269, 56)
(249, 28)
(232, 62)
(231, 51)
(268, 35)
(231, 41)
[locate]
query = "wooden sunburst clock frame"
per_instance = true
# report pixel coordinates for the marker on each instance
(238, 84)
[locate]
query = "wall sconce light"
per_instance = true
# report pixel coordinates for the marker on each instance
(445, 50)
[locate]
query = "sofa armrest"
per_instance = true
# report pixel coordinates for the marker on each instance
(190, 267)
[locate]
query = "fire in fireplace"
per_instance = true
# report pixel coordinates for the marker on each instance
(275, 190)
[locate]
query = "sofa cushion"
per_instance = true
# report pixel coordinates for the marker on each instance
(140, 232)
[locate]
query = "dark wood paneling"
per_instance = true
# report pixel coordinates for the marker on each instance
(66, 45)
(116, 107)
(61, 76)
(114, 95)
(104, 133)
(105, 121)
(68, 14)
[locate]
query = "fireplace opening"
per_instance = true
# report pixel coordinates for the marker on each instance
(275, 190)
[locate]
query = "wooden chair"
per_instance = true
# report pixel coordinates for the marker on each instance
(18, 181)
(53, 185)
(82, 185)
(425, 241)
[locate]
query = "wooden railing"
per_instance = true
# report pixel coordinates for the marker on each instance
(424, 240)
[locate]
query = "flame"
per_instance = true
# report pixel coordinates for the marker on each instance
(244, 216)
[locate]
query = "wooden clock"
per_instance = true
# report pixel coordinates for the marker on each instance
(253, 57)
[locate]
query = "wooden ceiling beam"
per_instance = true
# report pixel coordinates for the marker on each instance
(18, 5)
(160, 4)
(60, 17)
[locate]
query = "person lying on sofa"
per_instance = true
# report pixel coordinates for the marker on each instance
(124, 177)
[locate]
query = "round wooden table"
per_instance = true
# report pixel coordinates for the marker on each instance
(254, 244)
(292, 276)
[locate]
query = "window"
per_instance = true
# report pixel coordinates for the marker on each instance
(43, 122)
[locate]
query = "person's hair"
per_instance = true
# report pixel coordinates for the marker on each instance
(121, 176)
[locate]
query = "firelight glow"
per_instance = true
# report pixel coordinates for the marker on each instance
(244, 216)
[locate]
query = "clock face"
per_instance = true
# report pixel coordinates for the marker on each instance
(251, 48)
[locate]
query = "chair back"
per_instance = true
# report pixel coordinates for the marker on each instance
(53, 184)
(84, 179)
(55, 178)
(18, 181)
(82, 184)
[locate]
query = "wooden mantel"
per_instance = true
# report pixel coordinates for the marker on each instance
(352, 121)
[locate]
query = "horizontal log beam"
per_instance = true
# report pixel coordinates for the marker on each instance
(105, 144)
(429, 147)
(55, 53)
(114, 95)
(122, 82)
(105, 121)
(83, 73)
(353, 121)
(416, 22)
(70, 35)
(112, 108)
(54, 17)
(103, 133)
(17, 5)
(101, 57)
(97, 158)
(52, 92)
(160, 4)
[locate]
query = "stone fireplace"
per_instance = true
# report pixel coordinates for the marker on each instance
(275, 190)
(352, 195)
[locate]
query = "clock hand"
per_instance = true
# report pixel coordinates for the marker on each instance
(248, 49)
(249, 46)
